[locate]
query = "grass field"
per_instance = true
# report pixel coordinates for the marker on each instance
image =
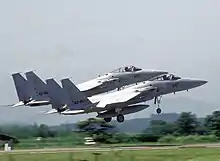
(190, 154)
(56, 144)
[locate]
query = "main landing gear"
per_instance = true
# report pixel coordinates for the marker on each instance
(108, 119)
(120, 118)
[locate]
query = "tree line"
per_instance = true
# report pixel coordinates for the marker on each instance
(186, 125)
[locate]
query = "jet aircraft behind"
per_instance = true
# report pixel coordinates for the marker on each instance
(36, 92)
(118, 78)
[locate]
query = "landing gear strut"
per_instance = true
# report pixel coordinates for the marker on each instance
(120, 118)
(157, 101)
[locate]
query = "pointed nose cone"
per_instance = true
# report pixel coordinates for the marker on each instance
(197, 83)
(202, 82)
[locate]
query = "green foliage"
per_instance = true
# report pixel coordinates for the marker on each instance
(212, 123)
(32, 131)
(167, 139)
(44, 132)
(187, 129)
(189, 139)
(187, 124)
(125, 138)
(94, 126)
(202, 130)
(101, 131)
(65, 141)
(160, 128)
(147, 137)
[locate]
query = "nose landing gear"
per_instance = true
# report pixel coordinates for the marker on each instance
(158, 110)
(157, 101)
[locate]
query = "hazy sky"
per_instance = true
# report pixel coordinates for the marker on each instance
(85, 38)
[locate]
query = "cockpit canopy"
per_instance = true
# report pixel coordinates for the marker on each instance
(168, 77)
(126, 69)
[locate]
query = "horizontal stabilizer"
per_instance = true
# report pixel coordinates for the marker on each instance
(53, 111)
(73, 112)
(18, 104)
(37, 103)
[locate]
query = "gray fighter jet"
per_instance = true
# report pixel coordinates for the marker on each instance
(33, 90)
(69, 100)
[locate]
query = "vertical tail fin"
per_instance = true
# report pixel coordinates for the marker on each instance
(77, 99)
(56, 94)
(22, 88)
(40, 87)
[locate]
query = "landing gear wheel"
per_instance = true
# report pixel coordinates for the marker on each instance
(108, 119)
(120, 118)
(159, 110)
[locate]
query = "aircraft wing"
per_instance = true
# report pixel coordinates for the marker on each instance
(53, 111)
(117, 99)
(93, 84)
(88, 85)
(123, 96)
(18, 104)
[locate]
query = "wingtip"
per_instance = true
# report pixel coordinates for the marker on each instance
(53, 111)
(18, 104)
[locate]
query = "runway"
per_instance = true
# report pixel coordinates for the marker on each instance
(106, 149)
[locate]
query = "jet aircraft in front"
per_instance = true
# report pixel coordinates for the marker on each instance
(163, 85)
(116, 104)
